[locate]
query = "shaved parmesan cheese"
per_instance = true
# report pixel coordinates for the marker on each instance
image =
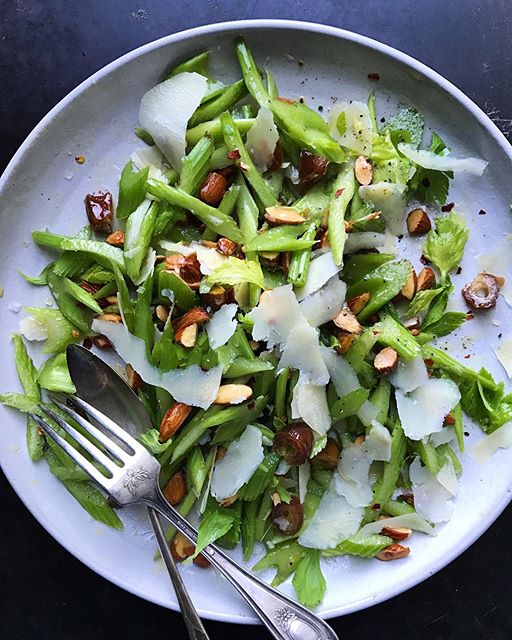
(166, 109)
(275, 316)
(351, 479)
(389, 199)
(304, 475)
(302, 352)
(422, 412)
(409, 375)
(342, 375)
(445, 436)
(147, 267)
(367, 413)
(504, 354)
(208, 258)
(325, 304)
(334, 520)
(242, 458)
(33, 329)
(431, 500)
(351, 125)
(409, 520)
(190, 385)
(262, 138)
(149, 157)
(321, 269)
(378, 442)
(499, 263)
(177, 247)
(222, 325)
(359, 240)
(282, 468)
(448, 477)
(431, 160)
(488, 445)
(312, 407)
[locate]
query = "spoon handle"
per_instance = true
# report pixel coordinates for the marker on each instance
(195, 628)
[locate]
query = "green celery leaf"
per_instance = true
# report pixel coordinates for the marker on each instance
(405, 126)
(54, 375)
(284, 558)
(235, 271)
(131, 190)
(214, 525)
(150, 439)
(308, 581)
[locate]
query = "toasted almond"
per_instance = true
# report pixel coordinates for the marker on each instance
(196, 315)
(418, 222)
(347, 321)
(358, 303)
(386, 361)
(221, 452)
(284, 260)
(270, 258)
(134, 380)
(116, 239)
(111, 299)
(173, 419)
(226, 247)
(393, 552)
(426, 279)
(102, 342)
(408, 291)
(90, 287)
(187, 337)
(216, 297)
(412, 323)
(363, 170)
(229, 501)
(396, 533)
(482, 292)
(283, 215)
(345, 341)
(233, 394)
(181, 547)
(201, 561)
(213, 188)
(110, 317)
(159, 258)
(175, 489)
(162, 312)
(359, 440)
(449, 420)
(276, 498)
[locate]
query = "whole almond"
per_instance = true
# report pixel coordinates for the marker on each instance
(426, 279)
(175, 490)
(408, 291)
(216, 297)
(283, 215)
(393, 552)
(102, 342)
(363, 170)
(213, 188)
(226, 247)
(345, 341)
(232, 394)
(173, 419)
(196, 315)
(396, 533)
(418, 222)
(187, 337)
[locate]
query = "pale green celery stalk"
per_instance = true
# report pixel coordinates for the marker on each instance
(260, 527)
(249, 516)
(384, 487)
(226, 99)
(233, 428)
(61, 332)
(274, 181)
(380, 398)
(143, 320)
(342, 192)
(316, 201)
(361, 547)
(234, 141)
(36, 444)
(27, 373)
(458, 427)
(214, 129)
(124, 300)
(373, 115)
(184, 509)
(138, 235)
(393, 334)
(228, 203)
(195, 165)
(131, 190)
(70, 263)
(220, 159)
(145, 136)
(281, 395)
(80, 295)
(441, 360)
(427, 453)
(248, 216)
(67, 304)
(41, 279)
(101, 251)
(97, 274)
(213, 218)
(261, 477)
(280, 238)
(397, 508)
(197, 64)
(244, 367)
(196, 471)
(357, 265)
(54, 375)
(107, 289)
(272, 89)
(299, 263)
(360, 349)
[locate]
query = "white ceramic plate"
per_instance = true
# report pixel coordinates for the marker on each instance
(44, 187)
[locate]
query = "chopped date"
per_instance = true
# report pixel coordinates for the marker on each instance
(100, 211)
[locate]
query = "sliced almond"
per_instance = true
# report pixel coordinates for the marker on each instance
(418, 222)
(173, 419)
(221, 452)
(111, 299)
(358, 303)
(213, 188)
(386, 361)
(110, 317)
(393, 552)
(345, 341)
(359, 440)
(363, 170)
(408, 291)
(396, 533)
(187, 337)
(116, 239)
(197, 315)
(216, 297)
(227, 502)
(426, 279)
(162, 312)
(347, 321)
(175, 489)
(233, 394)
(283, 215)
(201, 561)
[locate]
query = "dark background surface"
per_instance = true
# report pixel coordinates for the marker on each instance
(46, 48)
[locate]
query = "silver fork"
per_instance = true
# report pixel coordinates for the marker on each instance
(131, 476)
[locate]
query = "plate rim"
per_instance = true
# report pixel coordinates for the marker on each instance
(254, 25)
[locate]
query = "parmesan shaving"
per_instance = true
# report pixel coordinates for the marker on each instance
(485, 448)
(221, 325)
(431, 499)
(430, 160)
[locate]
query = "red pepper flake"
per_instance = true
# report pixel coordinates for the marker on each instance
(288, 100)
(424, 260)
(373, 76)
(376, 506)
(482, 212)
(467, 357)
(447, 207)
(234, 155)
(79, 159)
(428, 362)
(339, 192)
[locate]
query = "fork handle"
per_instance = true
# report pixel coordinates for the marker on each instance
(195, 628)
(284, 618)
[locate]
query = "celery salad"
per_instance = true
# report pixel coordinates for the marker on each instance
(246, 274)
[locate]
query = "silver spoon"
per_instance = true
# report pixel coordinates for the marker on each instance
(99, 385)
